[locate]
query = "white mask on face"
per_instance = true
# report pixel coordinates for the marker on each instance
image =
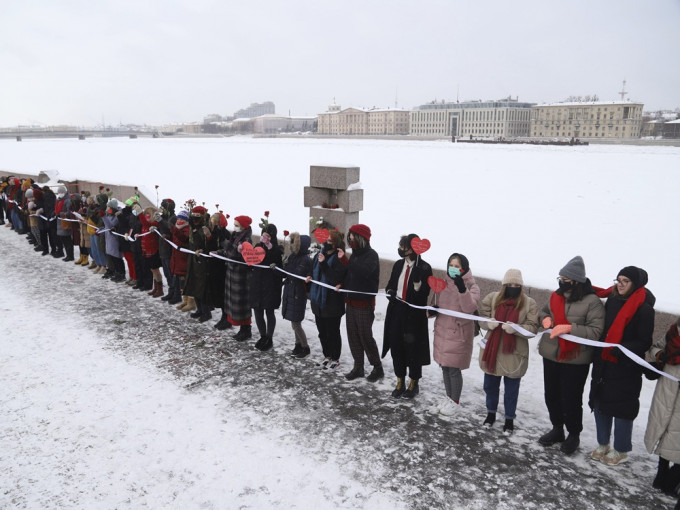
(60, 196)
(237, 229)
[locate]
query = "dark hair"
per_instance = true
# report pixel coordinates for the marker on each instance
(577, 292)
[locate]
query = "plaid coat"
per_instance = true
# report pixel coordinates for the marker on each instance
(237, 279)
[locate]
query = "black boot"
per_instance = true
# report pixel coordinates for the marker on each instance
(223, 323)
(552, 437)
(355, 373)
(661, 472)
(509, 425)
(296, 350)
(412, 389)
(490, 419)
(176, 297)
(400, 388)
(304, 352)
(243, 334)
(376, 374)
(206, 316)
(570, 444)
(265, 343)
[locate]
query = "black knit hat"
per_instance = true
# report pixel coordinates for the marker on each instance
(636, 275)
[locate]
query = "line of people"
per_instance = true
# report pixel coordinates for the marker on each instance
(116, 235)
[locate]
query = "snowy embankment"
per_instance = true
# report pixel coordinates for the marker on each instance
(108, 402)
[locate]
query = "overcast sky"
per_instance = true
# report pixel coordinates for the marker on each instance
(143, 61)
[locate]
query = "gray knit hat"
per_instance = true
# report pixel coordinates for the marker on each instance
(513, 276)
(575, 270)
(113, 203)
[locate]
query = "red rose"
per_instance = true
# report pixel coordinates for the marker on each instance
(285, 233)
(266, 214)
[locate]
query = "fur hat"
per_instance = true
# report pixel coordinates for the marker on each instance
(575, 270)
(361, 230)
(513, 276)
(244, 221)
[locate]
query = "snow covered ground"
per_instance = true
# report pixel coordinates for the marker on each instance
(108, 402)
(520, 206)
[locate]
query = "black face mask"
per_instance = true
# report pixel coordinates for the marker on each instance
(565, 286)
(512, 292)
(328, 248)
(401, 253)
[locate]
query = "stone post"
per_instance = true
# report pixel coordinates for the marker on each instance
(332, 196)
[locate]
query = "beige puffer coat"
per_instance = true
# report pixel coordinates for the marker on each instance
(510, 365)
(662, 436)
(587, 321)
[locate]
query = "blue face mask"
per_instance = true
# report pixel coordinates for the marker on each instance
(453, 271)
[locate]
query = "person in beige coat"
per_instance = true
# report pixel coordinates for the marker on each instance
(573, 309)
(662, 436)
(505, 354)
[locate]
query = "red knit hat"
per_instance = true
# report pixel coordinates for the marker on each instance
(362, 230)
(199, 210)
(245, 221)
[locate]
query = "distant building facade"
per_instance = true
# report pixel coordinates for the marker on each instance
(256, 110)
(361, 121)
(615, 119)
(502, 118)
(271, 124)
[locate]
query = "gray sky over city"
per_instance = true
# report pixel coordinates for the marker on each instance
(146, 61)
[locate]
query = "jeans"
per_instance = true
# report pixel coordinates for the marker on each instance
(492, 385)
(623, 431)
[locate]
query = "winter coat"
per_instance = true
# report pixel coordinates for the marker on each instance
(363, 274)
(49, 200)
(198, 267)
(615, 387)
(265, 284)
(217, 268)
(178, 260)
(150, 242)
(124, 228)
(294, 289)
(513, 365)
(164, 227)
(110, 222)
(662, 436)
(586, 317)
(333, 305)
(237, 279)
(453, 337)
(62, 208)
(402, 322)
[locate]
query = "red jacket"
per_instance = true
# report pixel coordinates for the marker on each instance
(150, 242)
(178, 259)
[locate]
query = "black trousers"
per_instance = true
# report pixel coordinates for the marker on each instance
(563, 384)
(329, 335)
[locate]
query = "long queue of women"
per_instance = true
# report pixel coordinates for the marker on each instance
(112, 235)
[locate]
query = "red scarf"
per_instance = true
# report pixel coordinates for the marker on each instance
(568, 350)
(623, 318)
(673, 345)
(506, 312)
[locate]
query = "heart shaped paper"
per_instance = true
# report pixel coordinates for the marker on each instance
(322, 235)
(436, 284)
(420, 245)
(252, 255)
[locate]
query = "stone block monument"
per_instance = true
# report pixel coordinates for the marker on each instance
(334, 195)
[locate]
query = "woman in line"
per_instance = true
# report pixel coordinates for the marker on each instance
(505, 355)
(295, 291)
(616, 379)
(265, 286)
(575, 309)
(453, 336)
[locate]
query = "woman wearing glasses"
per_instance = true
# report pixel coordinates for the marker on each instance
(575, 309)
(616, 379)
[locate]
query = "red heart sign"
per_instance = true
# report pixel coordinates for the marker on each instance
(252, 255)
(322, 235)
(420, 245)
(436, 284)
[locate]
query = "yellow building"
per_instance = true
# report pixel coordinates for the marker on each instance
(360, 121)
(616, 119)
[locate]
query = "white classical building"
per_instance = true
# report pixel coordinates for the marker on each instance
(614, 119)
(362, 121)
(502, 118)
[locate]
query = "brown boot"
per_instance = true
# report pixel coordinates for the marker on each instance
(79, 261)
(154, 289)
(184, 303)
(93, 265)
(157, 289)
(86, 261)
(191, 305)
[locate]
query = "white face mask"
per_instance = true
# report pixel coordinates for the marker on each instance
(60, 196)
(237, 229)
(134, 211)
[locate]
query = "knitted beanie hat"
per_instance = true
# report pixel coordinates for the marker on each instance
(244, 221)
(362, 230)
(634, 274)
(513, 276)
(575, 270)
(113, 203)
(183, 215)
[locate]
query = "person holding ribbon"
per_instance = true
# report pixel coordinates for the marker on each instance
(328, 306)
(617, 379)
(454, 336)
(406, 329)
(201, 241)
(505, 354)
(662, 436)
(574, 309)
(294, 298)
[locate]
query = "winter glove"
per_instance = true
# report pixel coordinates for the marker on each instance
(272, 266)
(39, 211)
(416, 286)
(509, 329)
(118, 213)
(433, 313)
(207, 233)
(661, 357)
(547, 322)
(491, 325)
(562, 329)
(152, 228)
(460, 284)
